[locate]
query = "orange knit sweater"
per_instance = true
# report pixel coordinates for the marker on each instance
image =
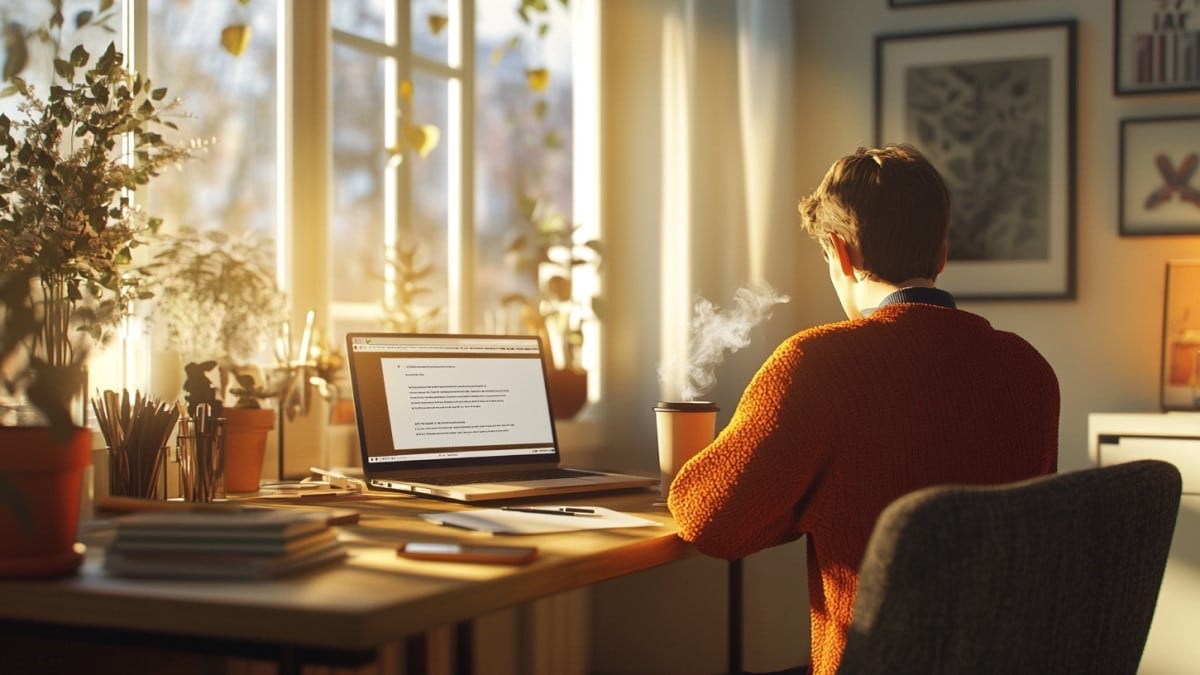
(844, 418)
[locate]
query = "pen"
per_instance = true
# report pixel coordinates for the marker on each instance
(552, 510)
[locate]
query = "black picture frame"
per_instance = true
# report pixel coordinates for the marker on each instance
(1159, 191)
(994, 109)
(1180, 377)
(1156, 49)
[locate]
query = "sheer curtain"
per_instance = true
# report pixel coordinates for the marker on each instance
(698, 199)
(698, 189)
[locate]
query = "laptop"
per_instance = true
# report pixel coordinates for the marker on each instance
(462, 417)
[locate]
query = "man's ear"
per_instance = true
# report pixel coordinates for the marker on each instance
(842, 251)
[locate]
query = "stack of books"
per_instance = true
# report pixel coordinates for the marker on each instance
(244, 544)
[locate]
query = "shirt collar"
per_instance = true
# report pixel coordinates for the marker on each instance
(918, 294)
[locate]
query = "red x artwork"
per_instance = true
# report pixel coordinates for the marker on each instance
(1175, 181)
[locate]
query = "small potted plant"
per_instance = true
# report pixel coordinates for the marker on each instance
(553, 256)
(69, 164)
(220, 307)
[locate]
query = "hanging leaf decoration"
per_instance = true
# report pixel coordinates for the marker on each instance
(500, 52)
(538, 79)
(423, 138)
(235, 37)
(437, 23)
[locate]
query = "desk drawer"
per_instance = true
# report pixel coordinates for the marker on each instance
(1184, 453)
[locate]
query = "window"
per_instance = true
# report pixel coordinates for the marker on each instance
(441, 223)
(448, 120)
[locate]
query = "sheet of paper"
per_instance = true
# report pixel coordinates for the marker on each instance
(501, 521)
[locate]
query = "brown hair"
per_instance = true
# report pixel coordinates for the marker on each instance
(890, 204)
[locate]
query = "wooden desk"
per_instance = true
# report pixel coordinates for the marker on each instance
(347, 610)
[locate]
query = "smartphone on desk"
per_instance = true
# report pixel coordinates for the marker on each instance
(476, 553)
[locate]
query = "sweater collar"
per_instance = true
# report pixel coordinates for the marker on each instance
(917, 294)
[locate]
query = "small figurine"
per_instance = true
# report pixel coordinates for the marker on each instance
(200, 389)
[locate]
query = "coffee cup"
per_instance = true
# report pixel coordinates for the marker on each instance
(684, 428)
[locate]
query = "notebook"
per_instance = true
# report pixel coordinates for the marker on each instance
(462, 417)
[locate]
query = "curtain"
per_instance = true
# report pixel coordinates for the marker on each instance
(698, 199)
(698, 193)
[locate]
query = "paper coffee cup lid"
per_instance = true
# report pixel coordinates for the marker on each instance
(686, 406)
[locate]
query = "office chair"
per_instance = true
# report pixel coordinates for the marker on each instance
(1057, 574)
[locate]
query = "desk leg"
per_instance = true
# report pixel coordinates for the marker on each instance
(464, 648)
(416, 655)
(735, 616)
(287, 663)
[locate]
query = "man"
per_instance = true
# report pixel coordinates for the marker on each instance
(844, 418)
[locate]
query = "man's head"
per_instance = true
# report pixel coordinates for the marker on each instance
(891, 209)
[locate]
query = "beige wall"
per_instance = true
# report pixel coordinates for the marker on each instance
(1104, 344)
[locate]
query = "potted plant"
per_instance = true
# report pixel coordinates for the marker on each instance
(220, 307)
(41, 465)
(69, 163)
(554, 257)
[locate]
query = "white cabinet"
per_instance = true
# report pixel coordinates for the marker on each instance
(1173, 647)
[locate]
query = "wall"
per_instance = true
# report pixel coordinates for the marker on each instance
(1104, 344)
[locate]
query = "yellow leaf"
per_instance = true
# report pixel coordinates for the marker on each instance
(538, 78)
(437, 22)
(235, 37)
(406, 90)
(423, 138)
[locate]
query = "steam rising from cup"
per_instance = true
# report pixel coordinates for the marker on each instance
(716, 332)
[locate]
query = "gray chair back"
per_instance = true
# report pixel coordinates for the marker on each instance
(1057, 574)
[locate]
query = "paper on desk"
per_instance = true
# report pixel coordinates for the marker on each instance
(500, 521)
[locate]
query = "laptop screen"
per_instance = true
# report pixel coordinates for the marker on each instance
(441, 400)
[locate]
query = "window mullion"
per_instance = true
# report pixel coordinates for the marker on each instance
(461, 181)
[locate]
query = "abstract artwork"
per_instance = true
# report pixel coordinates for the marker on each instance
(993, 109)
(1181, 336)
(1160, 184)
(1157, 46)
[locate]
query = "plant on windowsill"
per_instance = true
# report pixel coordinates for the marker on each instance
(69, 164)
(219, 305)
(553, 254)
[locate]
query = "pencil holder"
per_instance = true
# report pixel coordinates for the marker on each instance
(136, 471)
(201, 447)
(136, 430)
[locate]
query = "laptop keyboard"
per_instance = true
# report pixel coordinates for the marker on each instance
(506, 476)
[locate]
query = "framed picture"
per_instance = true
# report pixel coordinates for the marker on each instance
(1160, 188)
(994, 110)
(1181, 336)
(1157, 46)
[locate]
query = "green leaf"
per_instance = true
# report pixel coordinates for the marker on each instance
(79, 56)
(83, 18)
(108, 59)
(64, 69)
(159, 94)
(17, 53)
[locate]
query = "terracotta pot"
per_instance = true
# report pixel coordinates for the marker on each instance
(246, 432)
(568, 392)
(40, 487)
